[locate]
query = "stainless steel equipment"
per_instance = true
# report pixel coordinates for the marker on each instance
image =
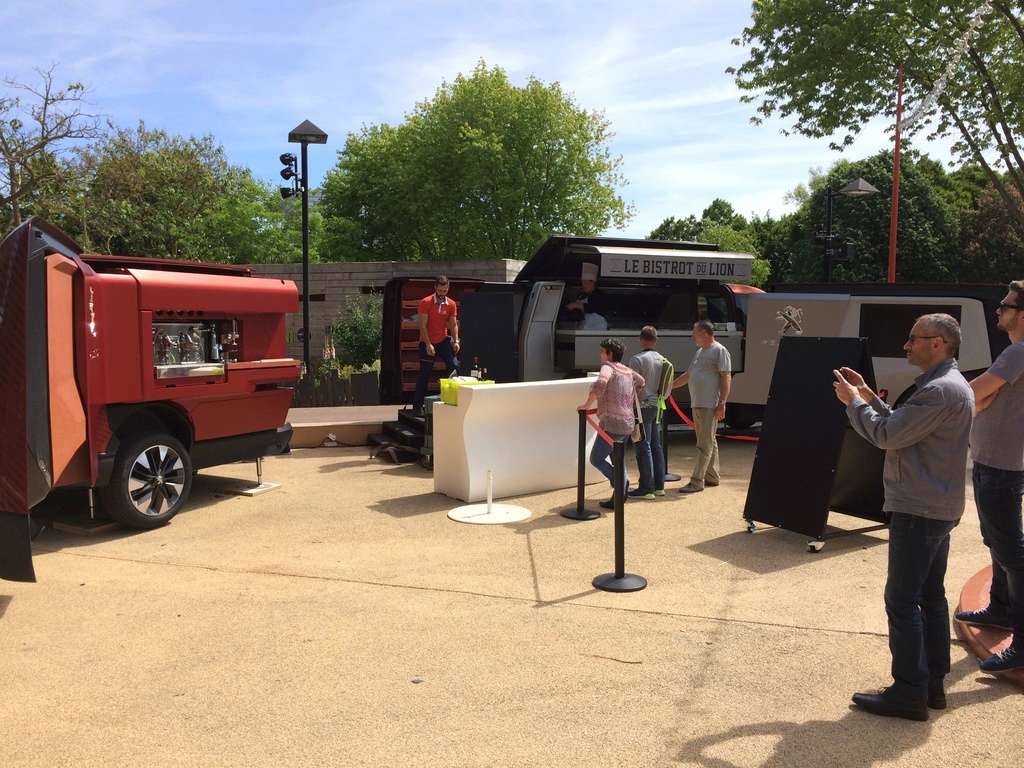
(188, 349)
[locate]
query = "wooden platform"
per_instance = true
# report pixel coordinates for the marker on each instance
(983, 641)
(350, 425)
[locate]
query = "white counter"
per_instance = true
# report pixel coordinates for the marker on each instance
(528, 433)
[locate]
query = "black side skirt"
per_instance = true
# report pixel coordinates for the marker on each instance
(15, 548)
(224, 450)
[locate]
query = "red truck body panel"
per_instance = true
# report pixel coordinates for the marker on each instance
(92, 346)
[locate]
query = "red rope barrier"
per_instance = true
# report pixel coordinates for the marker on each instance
(689, 423)
(597, 428)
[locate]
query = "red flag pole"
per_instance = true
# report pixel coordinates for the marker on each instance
(894, 214)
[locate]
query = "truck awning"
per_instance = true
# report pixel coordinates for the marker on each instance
(673, 264)
(183, 291)
(628, 260)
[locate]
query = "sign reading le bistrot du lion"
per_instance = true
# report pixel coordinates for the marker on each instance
(674, 265)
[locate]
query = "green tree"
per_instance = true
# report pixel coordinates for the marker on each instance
(682, 230)
(929, 224)
(993, 249)
(720, 213)
(38, 123)
(484, 169)
(145, 192)
(721, 225)
(830, 66)
(736, 241)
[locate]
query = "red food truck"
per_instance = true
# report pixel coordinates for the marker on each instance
(126, 375)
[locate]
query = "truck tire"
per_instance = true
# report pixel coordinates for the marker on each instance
(150, 482)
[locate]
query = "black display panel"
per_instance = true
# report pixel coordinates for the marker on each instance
(809, 460)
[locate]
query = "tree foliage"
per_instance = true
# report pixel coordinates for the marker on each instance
(719, 224)
(37, 123)
(484, 169)
(953, 227)
(137, 191)
(829, 66)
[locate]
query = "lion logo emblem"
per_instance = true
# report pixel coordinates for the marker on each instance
(792, 319)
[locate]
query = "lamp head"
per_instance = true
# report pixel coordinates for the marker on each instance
(306, 133)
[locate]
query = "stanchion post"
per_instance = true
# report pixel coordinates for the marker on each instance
(578, 512)
(619, 581)
(670, 477)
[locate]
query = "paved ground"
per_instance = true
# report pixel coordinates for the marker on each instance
(342, 620)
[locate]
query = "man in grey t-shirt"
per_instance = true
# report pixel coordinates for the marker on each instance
(709, 377)
(997, 447)
(650, 455)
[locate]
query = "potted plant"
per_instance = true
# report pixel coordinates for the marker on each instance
(357, 337)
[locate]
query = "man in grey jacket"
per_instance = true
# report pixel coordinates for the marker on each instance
(925, 441)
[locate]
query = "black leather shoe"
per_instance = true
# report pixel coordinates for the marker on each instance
(1009, 658)
(609, 504)
(886, 705)
(936, 695)
(986, 617)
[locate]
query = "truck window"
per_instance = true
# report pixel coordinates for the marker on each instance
(888, 325)
(713, 307)
(677, 313)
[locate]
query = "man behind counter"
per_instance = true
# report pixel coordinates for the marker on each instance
(439, 337)
(588, 300)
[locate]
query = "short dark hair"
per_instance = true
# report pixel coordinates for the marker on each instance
(615, 349)
(1017, 286)
(706, 326)
(441, 280)
(947, 327)
(649, 333)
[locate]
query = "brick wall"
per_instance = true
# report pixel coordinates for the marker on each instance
(343, 281)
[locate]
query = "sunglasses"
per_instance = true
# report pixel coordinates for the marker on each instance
(912, 338)
(1003, 305)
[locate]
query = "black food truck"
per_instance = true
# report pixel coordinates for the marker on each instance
(522, 331)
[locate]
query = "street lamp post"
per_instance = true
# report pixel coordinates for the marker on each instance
(303, 134)
(856, 188)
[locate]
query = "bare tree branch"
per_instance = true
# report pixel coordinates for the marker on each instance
(39, 119)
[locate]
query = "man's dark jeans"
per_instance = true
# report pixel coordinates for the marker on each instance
(915, 601)
(446, 352)
(997, 493)
(650, 456)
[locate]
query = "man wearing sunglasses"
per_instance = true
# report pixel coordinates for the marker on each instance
(997, 448)
(925, 444)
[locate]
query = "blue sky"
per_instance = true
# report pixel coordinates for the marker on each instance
(248, 72)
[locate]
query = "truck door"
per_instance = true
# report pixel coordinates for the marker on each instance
(537, 332)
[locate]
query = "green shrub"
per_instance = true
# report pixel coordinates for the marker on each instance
(357, 332)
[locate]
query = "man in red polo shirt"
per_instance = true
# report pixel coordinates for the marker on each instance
(439, 337)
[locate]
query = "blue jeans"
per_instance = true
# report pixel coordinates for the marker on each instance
(650, 457)
(600, 458)
(915, 601)
(998, 496)
(446, 352)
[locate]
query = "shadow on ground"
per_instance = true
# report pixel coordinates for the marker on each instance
(72, 506)
(855, 740)
(419, 504)
(769, 550)
(5, 600)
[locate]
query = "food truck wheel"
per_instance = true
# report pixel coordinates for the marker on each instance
(151, 481)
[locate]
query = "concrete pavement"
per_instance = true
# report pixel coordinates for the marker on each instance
(343, 620)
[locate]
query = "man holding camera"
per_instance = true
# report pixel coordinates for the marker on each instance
(925, 442)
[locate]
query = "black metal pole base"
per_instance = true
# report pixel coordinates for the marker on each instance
(580, 514)
(628, 582)
(672, 477)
